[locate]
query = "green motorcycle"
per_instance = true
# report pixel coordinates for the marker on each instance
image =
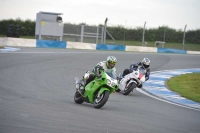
(97, 91)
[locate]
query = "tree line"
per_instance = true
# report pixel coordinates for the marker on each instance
(162, 33)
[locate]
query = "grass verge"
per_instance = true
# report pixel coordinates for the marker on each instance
(187, 85)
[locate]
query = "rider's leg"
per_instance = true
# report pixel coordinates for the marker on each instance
(87, 78)
(90, 78)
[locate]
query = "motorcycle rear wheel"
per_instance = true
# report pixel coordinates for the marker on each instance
(129, 88)
(99, 102)
(78, 98)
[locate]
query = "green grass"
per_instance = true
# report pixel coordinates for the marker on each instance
(187, 85)
(28, 37)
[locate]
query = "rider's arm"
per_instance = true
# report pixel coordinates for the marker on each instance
(147, 74)
(133, 67)
(97, 70)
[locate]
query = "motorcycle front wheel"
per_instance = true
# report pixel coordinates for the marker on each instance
(129, 88)
(78, 98)
(99, 101)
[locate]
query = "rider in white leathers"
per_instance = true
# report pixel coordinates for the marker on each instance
(107, 66)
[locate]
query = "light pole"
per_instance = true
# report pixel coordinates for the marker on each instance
(105, 25)
(164, 34)
(184, 37)
(124, 33)
(143, 43)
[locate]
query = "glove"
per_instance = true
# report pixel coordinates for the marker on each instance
(146, 78)
(98, 71)
(101, 68)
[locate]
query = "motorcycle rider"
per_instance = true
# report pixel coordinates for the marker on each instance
(107, 66)
(145, 63)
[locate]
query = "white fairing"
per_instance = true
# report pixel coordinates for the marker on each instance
(138, 75)
(111, 79)
(142, 79)
(124, 80)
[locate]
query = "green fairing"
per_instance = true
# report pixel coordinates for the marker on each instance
(97, 83)
(104, 89)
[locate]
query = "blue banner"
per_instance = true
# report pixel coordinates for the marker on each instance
(110, 47)
(168, 50)
(50, 44)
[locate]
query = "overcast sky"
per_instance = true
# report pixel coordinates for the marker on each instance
(129, 13)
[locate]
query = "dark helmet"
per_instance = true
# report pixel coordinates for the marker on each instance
(111, 61)
(145, 62)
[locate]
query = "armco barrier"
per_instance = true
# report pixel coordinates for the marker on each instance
(8, 41)
(193, 52)
(141, 49)
(79, 45)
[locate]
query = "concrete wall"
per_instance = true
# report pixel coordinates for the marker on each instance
(7, 41)
(15, 42)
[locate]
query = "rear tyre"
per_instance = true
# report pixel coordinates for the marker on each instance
(78, 98)
(129, 88)
(100, 101)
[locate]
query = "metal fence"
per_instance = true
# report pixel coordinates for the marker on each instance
(83, 33)
(97, 35)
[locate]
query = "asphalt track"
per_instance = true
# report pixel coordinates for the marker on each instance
(37, 89)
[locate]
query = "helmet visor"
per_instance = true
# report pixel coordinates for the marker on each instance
(145, 66)
(112, 63)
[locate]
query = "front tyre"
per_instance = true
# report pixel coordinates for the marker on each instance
(99, 101)
(78, 98)
(129, 88)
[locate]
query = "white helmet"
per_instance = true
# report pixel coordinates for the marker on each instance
(145, 62)
(111, 61)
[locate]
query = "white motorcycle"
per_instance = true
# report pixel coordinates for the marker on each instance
(131, 81)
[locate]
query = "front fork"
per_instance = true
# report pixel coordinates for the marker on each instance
(98, 95)
(78, 85)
